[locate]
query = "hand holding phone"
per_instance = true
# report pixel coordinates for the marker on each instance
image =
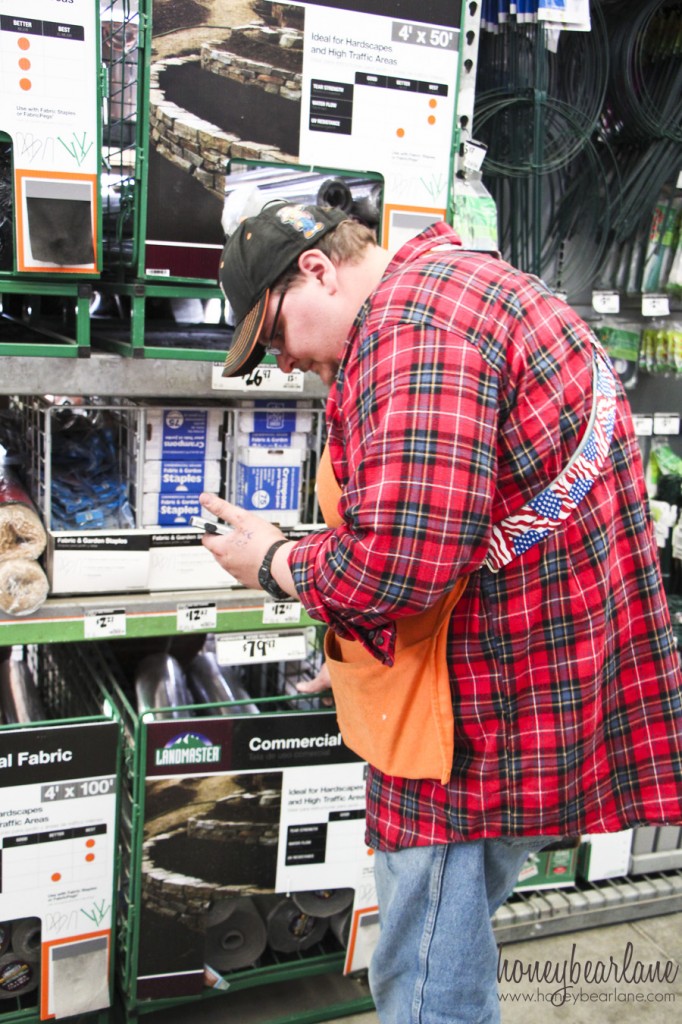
(206, 526)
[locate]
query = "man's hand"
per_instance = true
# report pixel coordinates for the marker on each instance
(242, 551)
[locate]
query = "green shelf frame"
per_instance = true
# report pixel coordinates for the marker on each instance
(47, 341)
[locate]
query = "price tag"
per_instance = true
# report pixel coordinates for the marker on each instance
(655, 305)
(473, 155)
(103, 623)
(263, 378)
(257, 648)
(281, 611)
(666, 423)
(606, 302)
(203, 616)
(644, 425)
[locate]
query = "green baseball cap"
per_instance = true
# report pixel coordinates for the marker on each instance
(254, 257)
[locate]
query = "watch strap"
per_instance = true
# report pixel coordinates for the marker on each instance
(265, 577)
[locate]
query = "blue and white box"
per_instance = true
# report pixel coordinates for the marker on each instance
(273, 417)
(171, 509)
(183, 433)
(268, 481)
(181, 476)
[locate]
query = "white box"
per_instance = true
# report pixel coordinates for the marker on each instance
(182, 433)
(97, 561)
(269, 482)
(180, 476)
(179, 561)
(605, 855)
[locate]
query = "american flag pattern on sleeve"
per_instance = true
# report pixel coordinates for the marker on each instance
(464, 391)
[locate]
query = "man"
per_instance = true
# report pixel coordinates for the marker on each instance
(479, 445)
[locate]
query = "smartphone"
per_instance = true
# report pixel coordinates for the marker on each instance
(207, 526)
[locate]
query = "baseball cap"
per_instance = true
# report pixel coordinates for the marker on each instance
(254, 257)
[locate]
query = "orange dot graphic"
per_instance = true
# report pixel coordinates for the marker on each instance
(23, 43)
(89, 857)
(25, 84)
(400, 133)
(433, 104)
(431, 119)
(56, 877)
(90, 842)
(24, 63)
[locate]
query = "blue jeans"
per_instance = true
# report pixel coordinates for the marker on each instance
(436, 959)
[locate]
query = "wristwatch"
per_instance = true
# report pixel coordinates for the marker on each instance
(267, 580)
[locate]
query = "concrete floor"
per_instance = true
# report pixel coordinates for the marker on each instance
(648, 951)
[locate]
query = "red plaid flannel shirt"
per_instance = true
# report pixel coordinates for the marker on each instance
(463, 390)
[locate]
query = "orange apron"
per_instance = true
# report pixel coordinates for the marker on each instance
(398, 718)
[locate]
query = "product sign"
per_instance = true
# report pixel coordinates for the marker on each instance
(241, 812)
(57, 860)
(49, 108)
(360, 88)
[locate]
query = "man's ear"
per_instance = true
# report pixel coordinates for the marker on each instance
(314, 263)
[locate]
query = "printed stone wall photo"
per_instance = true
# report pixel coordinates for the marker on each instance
(225, 81)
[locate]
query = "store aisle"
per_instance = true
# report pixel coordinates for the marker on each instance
(622, 974)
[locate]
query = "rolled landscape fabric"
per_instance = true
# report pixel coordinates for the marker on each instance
(5, 934)
(323, 902)
(19, 698)
(22, 534)
(339, 924)
(17, 975)
(161, 683)
(210, 685)
(23, 586)
(289, 929)
(26, 938)
(236, 935)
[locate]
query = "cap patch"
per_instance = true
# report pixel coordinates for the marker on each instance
(301, 220)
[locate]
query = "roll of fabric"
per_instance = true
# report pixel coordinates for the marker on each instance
(22, 534)
(5, 934)
(339, 925)
(23, 586)
(323, 902)
(17, 975)
(289, 929)
(161, 683)
(236, 935)
(19, 698)
(209, 685)
(26, 938)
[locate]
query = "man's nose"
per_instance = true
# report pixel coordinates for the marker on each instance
(285, 362)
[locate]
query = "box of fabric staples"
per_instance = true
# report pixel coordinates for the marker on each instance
(273, 417)
(181, 433)
(97, 561)
(263, 439)
(181, 476)
(171, 509)
(268, 481)
(179, 561)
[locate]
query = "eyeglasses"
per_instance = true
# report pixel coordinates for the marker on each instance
(269, 345)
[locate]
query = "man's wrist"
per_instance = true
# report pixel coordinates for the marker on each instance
(265, 576)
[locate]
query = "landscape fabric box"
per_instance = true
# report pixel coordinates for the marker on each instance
(552, 868)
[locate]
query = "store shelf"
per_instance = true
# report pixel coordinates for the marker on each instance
(106, 374)
(532, 915)
(141, 615)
